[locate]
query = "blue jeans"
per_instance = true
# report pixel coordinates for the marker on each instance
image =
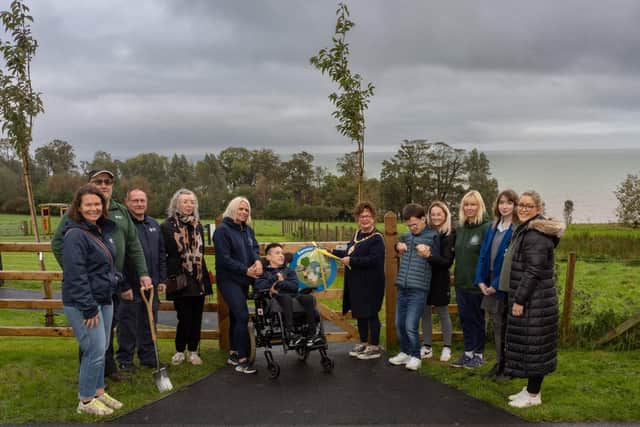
(410, 304)
(93, 343)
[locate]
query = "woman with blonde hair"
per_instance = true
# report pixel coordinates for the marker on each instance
(237, 265)
(439, 219)
(183, 236)
(472, 228)
(531, 342)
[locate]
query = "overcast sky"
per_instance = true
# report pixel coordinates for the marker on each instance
(199, 76)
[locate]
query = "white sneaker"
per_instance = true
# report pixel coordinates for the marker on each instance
(445, 356)
(194, 359)
(426, 352)
(519, 394)
(414, 364)
(526, 401)
(359, 348)
(399, 359)
(109, 401)
(177, 358)
(94, 407)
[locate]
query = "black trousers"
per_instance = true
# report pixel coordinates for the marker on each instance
(307, 302)
(189, 310)
(134, 332)
(534, 384)
(369, 324)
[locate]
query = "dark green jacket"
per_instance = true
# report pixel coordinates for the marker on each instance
(125, 237)
(469, 239)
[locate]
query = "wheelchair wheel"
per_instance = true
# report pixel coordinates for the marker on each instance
(274, 370)
(252, 342)
(327, 365)
(303, 353)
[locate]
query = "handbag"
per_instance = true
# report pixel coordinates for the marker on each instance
(176, 283)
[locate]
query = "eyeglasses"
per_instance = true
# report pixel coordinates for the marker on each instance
(106, 181)
(526, 207)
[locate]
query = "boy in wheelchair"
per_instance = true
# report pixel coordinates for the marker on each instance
(282, 284)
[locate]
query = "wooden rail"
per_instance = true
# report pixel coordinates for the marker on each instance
(349, 332)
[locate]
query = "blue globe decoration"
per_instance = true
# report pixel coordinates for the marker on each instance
(313, 269)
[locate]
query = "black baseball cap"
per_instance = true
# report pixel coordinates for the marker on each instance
(95, 172)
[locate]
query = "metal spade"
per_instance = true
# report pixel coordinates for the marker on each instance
(160, 374)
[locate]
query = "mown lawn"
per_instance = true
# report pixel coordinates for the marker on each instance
(39, 379)
(587, 386)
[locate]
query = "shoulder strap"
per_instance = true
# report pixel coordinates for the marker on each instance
(100, 243)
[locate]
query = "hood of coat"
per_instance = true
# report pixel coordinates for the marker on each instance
(548, 226)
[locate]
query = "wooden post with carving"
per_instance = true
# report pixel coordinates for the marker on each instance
(390, 273)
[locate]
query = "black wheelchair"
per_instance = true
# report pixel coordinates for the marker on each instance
(267, 330)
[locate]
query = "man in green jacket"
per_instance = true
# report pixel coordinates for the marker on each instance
(127, 246)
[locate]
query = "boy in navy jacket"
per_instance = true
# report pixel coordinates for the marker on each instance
(282, 283)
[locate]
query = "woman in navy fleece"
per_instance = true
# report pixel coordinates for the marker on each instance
(88, 283)
(237, 265)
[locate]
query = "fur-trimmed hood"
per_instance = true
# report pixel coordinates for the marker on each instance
(548, 226)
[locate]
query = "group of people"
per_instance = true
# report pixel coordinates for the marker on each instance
(112, 253)
(503, 267)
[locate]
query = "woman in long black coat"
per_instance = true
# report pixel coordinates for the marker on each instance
(364, 280)
(532, 324)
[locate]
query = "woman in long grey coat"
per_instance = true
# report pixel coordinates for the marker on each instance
(532, 324)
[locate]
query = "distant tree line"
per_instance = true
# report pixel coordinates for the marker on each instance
(419, 171)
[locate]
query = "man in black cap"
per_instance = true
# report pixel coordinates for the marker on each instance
(127, 246)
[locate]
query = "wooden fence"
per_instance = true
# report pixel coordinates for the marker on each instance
(317, 231)
(348, 332)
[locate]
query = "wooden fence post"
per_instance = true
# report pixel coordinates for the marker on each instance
(224, 322)
(568, 297)
(390, 274)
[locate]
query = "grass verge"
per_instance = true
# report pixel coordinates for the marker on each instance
(587, 386)
(39, 380)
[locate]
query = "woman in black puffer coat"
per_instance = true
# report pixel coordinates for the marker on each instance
(532, 325)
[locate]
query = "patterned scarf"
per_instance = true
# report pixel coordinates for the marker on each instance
(189, 242)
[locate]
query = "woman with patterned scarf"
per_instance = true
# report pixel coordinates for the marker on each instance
(184, 241)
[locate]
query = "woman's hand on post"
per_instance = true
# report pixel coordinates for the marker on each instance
(162, 288)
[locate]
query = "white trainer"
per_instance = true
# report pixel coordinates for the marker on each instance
(399, 359)
(109, 401)
(445, 356)
(426, 352)
(526, 401)
(414, 364)
(194, 359)
(177, 358)
(94, 407)
(519, 394)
